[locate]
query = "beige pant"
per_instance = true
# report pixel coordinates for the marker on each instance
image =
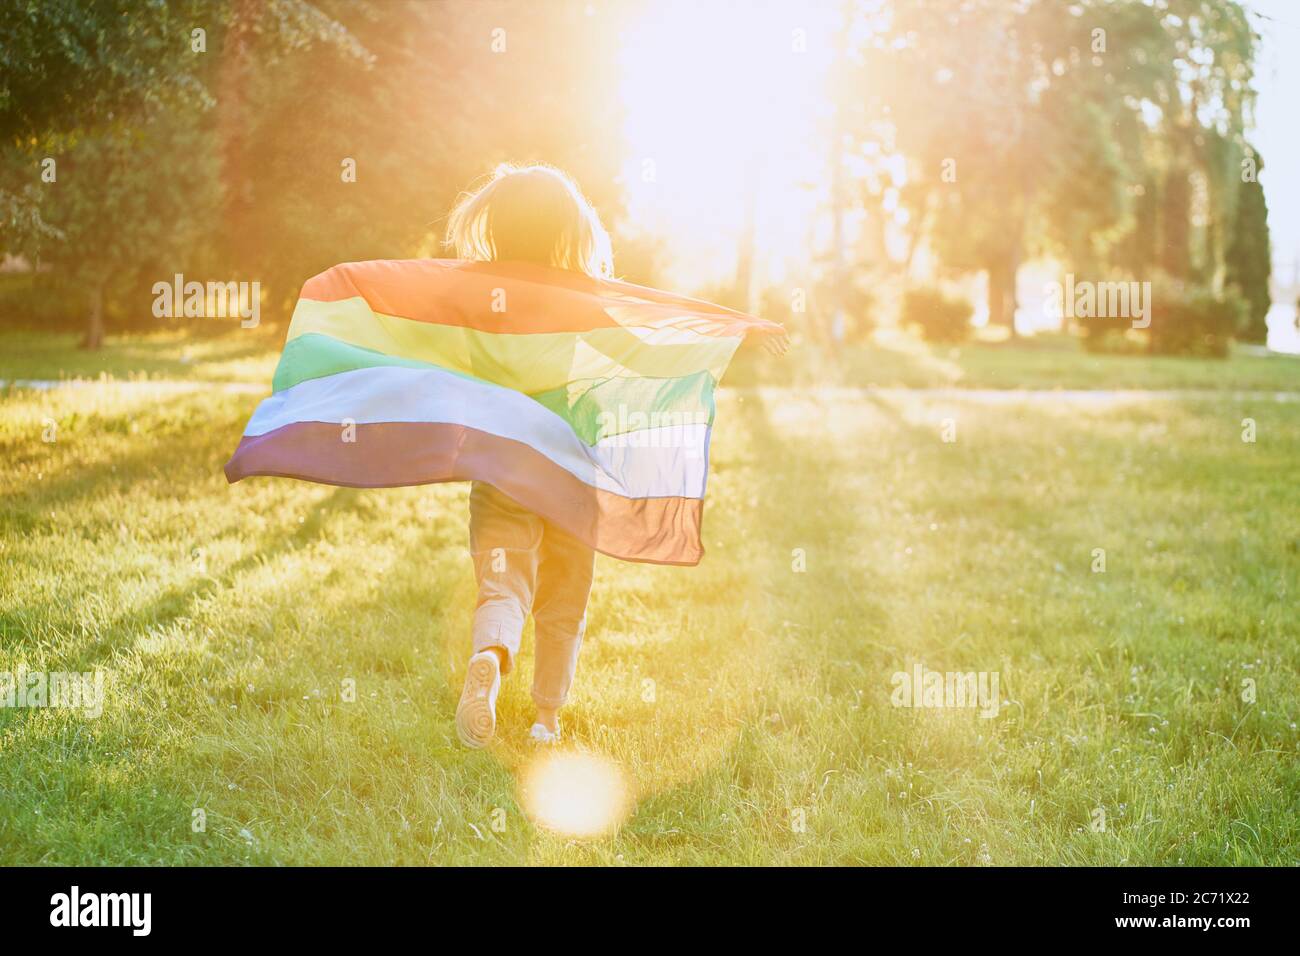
(524, 563)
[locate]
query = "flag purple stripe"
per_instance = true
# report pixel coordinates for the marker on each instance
(664, 530)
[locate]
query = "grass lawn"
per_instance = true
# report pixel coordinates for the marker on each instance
(746, 703)
(1041, 362)
(1045, 361)
(242, 355)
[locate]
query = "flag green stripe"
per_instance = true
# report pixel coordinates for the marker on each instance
(595, 409)
(616, 406)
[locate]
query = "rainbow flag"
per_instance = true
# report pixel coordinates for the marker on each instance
(588, 401)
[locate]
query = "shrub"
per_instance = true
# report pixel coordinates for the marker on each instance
(1194, 320)
(1112, 341)
(40, 301)
(940, 317)
(1185, 319)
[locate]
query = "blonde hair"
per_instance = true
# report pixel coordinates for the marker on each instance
(535, 213)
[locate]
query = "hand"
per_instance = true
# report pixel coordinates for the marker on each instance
(777, 343)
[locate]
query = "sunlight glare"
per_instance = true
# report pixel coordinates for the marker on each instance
(575, 794)
(722, 104)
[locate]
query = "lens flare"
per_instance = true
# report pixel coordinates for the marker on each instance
(575, 794)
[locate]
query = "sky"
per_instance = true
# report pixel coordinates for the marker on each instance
(1277, 137)
(1277, 132)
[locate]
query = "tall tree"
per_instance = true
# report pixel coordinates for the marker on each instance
(1249, 256)
(1068, 127)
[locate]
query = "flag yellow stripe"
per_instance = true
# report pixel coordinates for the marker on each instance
(528, 363)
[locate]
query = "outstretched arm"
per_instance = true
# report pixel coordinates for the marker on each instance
(773, 340)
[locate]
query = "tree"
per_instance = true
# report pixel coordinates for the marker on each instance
(355, 145)
(997, 110)
(1083, 129)
(1249, 258)
(289, 136)
(66, 65)
(130, 128)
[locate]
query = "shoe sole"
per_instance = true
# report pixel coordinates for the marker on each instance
(476, 719)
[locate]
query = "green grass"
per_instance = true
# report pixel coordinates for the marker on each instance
(1059, 362)
(228, 618)
(243, 355)
(1044, 361)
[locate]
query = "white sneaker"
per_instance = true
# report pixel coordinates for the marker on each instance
(541, 734)
(476, 714)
